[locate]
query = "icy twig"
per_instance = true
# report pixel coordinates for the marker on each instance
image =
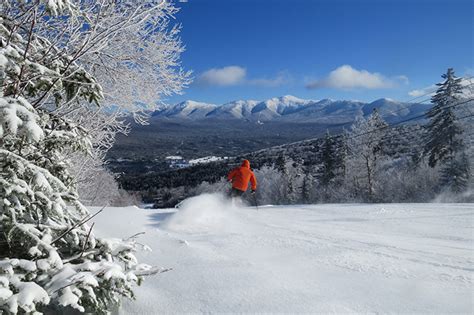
(85, 220)
(134, 236)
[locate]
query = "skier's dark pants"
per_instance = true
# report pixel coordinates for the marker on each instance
(236, 193)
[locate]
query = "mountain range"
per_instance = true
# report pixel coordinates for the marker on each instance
(292, 109)
(195, 129)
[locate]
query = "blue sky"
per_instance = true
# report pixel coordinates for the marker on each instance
(340, 49)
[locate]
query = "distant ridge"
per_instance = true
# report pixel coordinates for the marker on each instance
(289, 108)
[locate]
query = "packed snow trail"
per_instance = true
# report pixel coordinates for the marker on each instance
(401, 258)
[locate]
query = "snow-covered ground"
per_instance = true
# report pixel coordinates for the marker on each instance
(206, 159)
(398, 258)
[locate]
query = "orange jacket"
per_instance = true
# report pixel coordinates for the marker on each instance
(241, 176)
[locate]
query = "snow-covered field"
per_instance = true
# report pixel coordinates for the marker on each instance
(397, 258)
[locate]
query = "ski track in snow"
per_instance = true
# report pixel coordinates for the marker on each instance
(388, 258)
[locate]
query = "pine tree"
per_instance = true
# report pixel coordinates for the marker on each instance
(444, 135)
(443, 132)
(49, 252)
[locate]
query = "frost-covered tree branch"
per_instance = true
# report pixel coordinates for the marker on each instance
(69, 73)
(130, 48)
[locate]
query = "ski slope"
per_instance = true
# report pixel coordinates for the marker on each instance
(397, 258)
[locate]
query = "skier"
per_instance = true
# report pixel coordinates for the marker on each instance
(240, 178)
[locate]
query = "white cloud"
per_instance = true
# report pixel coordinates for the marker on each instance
(429, 90)
(345, 77)
(226, 76)
(237, 75)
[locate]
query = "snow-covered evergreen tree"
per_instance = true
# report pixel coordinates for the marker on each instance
(444, 141)
(443, 131)
(332, 166)
(50, 258)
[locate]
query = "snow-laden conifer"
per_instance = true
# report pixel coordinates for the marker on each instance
(443, 130)
(444, 143)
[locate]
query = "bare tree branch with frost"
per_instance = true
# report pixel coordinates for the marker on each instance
(129, 47)
(69, 71)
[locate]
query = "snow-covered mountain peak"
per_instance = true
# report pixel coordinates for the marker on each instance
(287, 100)
(387, 107)
(235, 109)
(384, 100)
(292, 108)
(240, 103)
(278, 106)
(290, 99)
(188, 109)
(190, 104)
